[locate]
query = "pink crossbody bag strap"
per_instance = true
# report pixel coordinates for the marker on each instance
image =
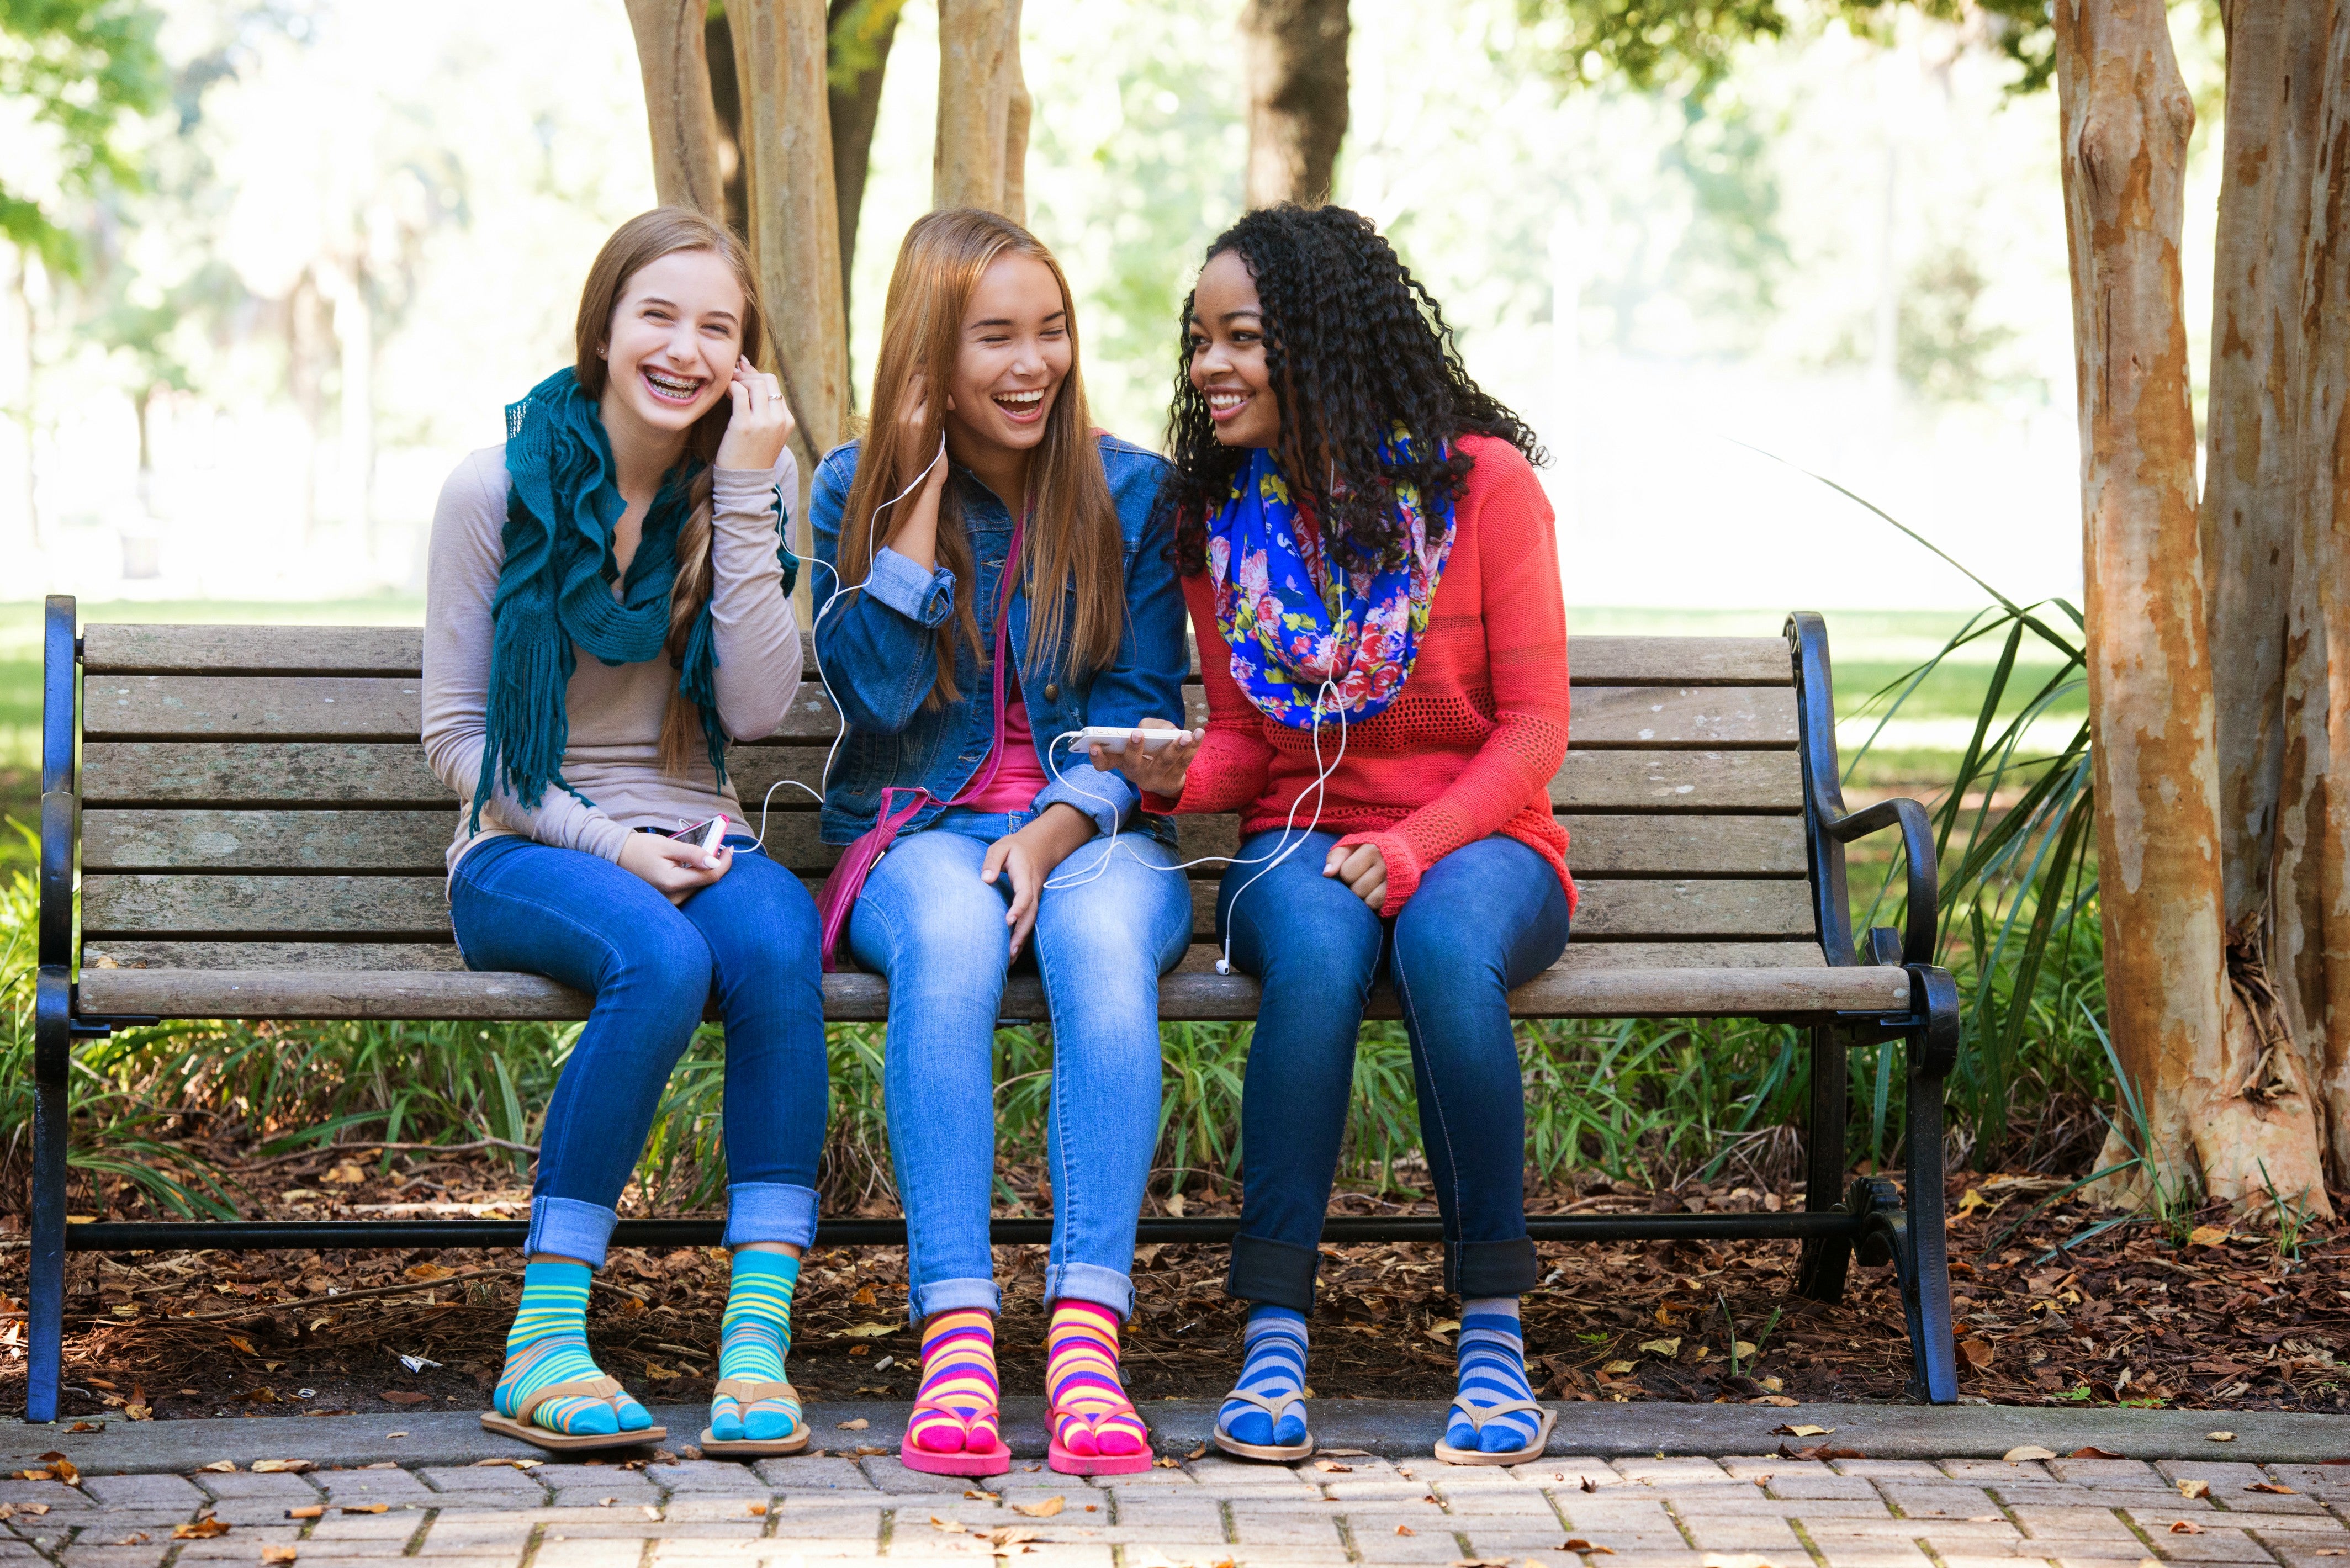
(834, 904)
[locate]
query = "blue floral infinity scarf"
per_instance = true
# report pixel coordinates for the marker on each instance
(1293, 627)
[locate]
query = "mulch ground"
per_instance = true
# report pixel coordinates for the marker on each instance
(2130, 1316)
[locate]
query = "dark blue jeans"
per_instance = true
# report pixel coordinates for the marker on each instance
(749, 938)
(1487, 917)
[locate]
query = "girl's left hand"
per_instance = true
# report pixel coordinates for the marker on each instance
(1362, 867)
(1029, 856)
(761, 424)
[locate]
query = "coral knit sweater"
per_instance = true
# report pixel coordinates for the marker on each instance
(1470, 745)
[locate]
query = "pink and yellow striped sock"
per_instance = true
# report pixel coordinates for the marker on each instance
(1091, 1415)
(954, 1409)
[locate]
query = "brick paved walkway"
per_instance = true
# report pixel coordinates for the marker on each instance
(1558, 1513)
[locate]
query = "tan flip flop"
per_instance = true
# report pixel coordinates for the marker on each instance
(1478, 1415)
(747, 1392)
(1273, 1408)
(566, 1443)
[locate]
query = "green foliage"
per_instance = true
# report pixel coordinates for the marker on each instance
(82, 66)
(1688, 44)
(853, 46)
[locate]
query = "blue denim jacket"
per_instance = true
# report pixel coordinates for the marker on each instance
(880, 659)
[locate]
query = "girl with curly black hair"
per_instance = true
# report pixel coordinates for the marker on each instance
(1371, 569)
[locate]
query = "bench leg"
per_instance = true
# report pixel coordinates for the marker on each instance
(1924, 1259)
(1820, 1274)
(45, 1298)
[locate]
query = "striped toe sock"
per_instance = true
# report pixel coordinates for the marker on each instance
(1492, 1372)
(548, 1344)
(1090, 1413)
(954, 1409)
(756, 1336)
(1273, 1364)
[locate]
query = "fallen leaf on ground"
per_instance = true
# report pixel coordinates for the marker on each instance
(283, 1467)
(1406, 1530)
(950, 1526)
(1440, 1327)
(513, 1464)
(1577, 1544)
(2271, 1488)
(36, 1475)
(867, 1330)
(367, 1508)
(648, 1510)
(427, 1272)
(136, 1538)
(387, 1434)
(146, 1412)
(202, 1530)
(1008, 1536)
(2185, 1527)
(85, 1427)
(1046, 1508)
(219, 1467)
(1163, 1464)
(1667, 1347)
(858, 1424)
(2220, 1437)
(1821, 1451)
(2194, 1489)
(1805, 1430)
(866, 1451)
(242, 1344)
(1617, 1368)
(1333, 1466)
(2091, 1451)
(1976, 1352)
(757, 1508)
(64, 1468)
(410, 1396)
(2207, 1235)
(10, 1510)
(2025, 1452)
(280, 1553)
(656, 1371)
(308, 1510)
(1199, 1453)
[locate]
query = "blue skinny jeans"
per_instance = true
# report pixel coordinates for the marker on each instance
(1487, 917)
(749, 939)
(927, 924)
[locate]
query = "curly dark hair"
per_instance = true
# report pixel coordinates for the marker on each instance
(1357, 349)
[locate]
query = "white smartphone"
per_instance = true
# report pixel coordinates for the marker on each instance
(1116, 739)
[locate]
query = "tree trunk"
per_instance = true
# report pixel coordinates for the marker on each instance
(2265, 664)
(794, 222)
(981, 138)
(2126, 116)
(854, 107)
(2325, 451)
(1294, 52)
(676, 68)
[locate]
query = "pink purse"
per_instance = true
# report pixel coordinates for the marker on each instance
(838, 899)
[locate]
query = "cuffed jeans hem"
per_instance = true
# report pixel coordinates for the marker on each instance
(1090, 1283)
(568, 1227)
(1474, 1269)
(1273, 1273)
(952, 1295)
(770, 1211)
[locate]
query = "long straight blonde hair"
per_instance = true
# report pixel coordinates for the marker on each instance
(634, 245)
(1072, 539)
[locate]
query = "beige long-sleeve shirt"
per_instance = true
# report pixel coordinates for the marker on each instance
(614, 712)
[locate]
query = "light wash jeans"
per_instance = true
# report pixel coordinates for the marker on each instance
(937, 932)
(748, 940)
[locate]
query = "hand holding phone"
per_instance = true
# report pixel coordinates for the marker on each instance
(680, 865)
(1154, 754)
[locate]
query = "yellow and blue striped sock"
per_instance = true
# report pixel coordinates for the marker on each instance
(756, 1336)
(548, 1344)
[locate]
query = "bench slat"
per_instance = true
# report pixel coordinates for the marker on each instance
(354, 773)
(418, 841)
(125, 707)
(1563, 991)
(151, 649)
(417, 908)
(133, 953)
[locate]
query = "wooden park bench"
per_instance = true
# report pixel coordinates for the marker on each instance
(259, 837)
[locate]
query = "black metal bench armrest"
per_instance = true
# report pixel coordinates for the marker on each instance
(1921, 925)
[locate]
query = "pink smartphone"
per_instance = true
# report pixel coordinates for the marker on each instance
(703, 836)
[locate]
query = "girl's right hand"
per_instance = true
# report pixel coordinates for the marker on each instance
(678, 870)
(1160, 772)
(914, 532)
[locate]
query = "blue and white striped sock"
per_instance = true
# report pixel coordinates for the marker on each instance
(1492, 1372)
(1274, 1365)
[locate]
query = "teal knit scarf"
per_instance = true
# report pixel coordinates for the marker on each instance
(555, 590)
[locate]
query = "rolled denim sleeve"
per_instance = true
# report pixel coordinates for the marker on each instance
(1108, 798)
(924, 599)
(876, 647)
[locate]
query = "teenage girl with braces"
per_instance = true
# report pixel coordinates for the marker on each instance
(607, 609)
(1368, 561)
(989, 581)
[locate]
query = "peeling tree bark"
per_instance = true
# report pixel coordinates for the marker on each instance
(795, 220)
(671, 57)
(2325, 453)
(982, 136)
(2127, 116)
(1294, 53)
(855, 107)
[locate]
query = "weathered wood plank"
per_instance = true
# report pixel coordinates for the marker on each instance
(1679, 781)
(412, 841)
(137, 649)
(136, 954)
(1563, 992)
(131, 707)
(415, 908)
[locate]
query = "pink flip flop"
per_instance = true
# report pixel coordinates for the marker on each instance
(1069, 1462)
(992, 1461)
